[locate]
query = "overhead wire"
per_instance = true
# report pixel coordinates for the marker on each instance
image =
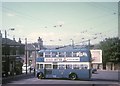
(33, 19)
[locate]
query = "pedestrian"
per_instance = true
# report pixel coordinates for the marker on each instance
(30, 69)
(34, 71)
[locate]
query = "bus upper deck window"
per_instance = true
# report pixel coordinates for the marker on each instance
(41, 54)
(84, 54)
(61, 54)
(54, 54)
(75, 54)
(80, 54)
(47, 54)
(68, 54)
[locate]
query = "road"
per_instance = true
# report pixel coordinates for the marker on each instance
(106, 75)
(101, 78)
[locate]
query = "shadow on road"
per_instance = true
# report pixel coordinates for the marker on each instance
(16, 78)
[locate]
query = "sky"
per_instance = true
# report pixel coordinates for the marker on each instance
(60, 23)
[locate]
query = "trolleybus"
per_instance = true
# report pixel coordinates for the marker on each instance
(72, 64)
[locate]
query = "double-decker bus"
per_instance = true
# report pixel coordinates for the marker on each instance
(72, 64)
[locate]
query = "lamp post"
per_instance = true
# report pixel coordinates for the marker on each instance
(6, 53)
(35, 62)
(26, 53)
(72, 42)
(89, 42)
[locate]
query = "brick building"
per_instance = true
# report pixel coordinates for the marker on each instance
(12, 53)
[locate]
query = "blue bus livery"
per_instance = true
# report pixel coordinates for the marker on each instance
(72, 64)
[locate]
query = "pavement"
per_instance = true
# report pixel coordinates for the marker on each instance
(106, 75)
(17, 77)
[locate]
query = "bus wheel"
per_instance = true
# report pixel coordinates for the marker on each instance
(40, 75)
(72, 76)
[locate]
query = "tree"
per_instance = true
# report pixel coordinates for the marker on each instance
(111, 50)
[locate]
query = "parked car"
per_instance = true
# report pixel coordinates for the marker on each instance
(94, 70)
(24, 68)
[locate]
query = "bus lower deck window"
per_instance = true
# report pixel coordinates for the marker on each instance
(76, 66)
(48, 66)
(62, 66)
(68, 66)
(55, 66)
(38, 66)
(41, 66)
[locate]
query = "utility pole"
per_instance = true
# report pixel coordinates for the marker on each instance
(118, 35)
(6, 52)
(0, 58)
(26, 53)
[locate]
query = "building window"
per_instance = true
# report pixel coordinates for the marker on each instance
(17, 52)
(30, 54)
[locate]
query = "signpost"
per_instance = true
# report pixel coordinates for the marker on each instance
(96, 56)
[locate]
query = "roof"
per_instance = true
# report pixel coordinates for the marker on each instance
(51, 46)
(68, 49)
(30, 47)
(10, 42)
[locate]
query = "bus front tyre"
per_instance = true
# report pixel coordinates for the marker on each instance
(40, 75)
(73, 76)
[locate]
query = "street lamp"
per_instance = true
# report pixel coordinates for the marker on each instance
(26, 53)
(7, 64)
(72, 42)
(12, 29)
(89, 42)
